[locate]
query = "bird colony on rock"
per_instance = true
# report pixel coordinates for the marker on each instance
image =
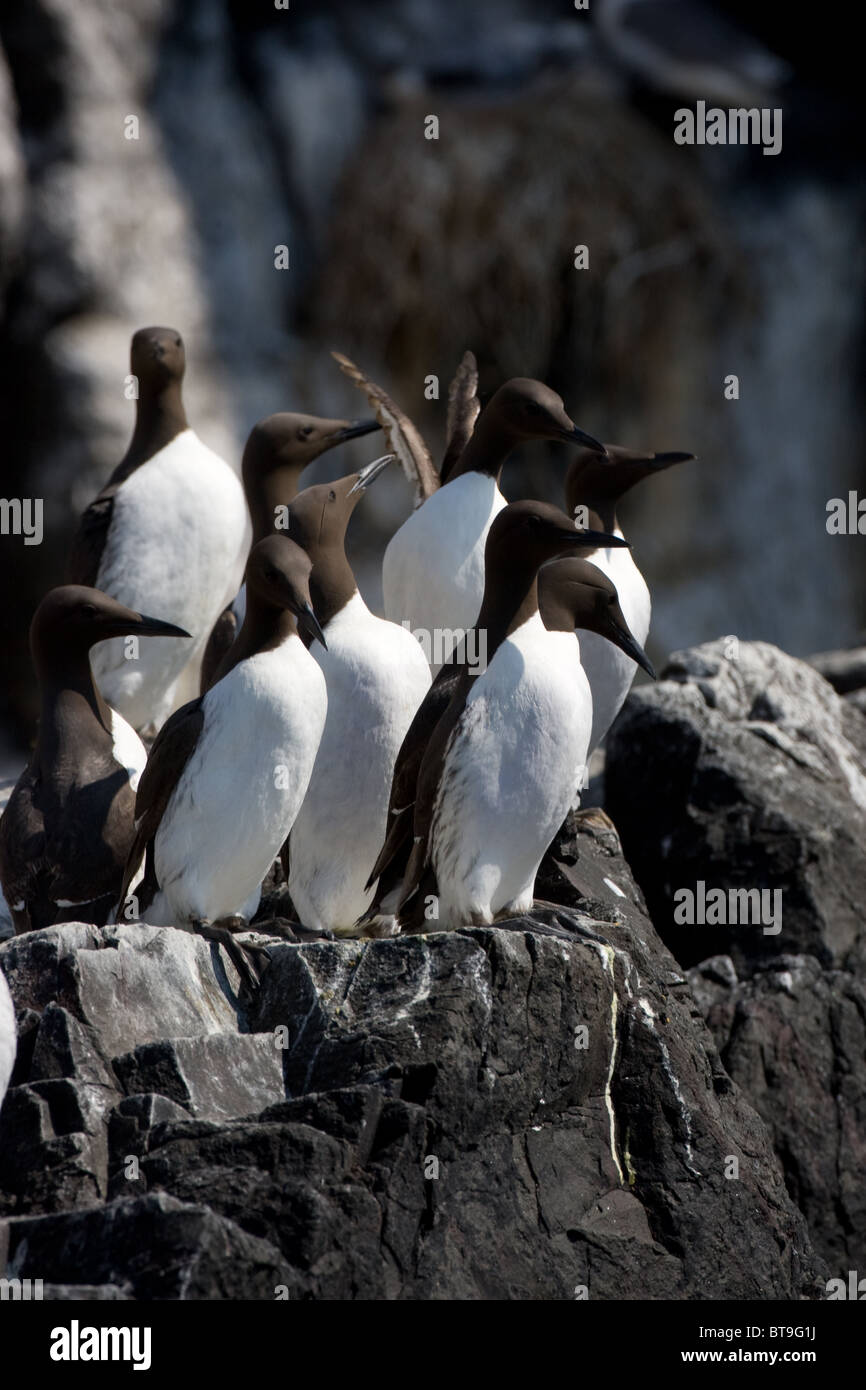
(287, 719)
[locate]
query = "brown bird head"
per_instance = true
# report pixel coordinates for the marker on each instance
(527, 409)
(597, 484)
(318, 520)
(319, 516)
(278, 450)
(522, 409)
(157, 358)
(72, 618)
(522, 538)
(278, 579)
(573, 592)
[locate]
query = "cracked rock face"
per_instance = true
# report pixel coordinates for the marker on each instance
(794, 1038)
(532, 1110)
(742, 768)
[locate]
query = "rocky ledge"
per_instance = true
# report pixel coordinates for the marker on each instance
(551, 1108)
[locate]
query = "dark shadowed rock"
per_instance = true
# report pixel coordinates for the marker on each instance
(845, 670)
(88, 1293)
(743, 769)
(156, 1246)
(523, 1111)
(53, 1148)
(794, 1038)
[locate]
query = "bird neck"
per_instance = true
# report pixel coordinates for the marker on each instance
(159, 418)
(510, 599)
(553, 606)
(72, 708)
(332, 582)
(265, 496)
(264, 628)
(600, 515)
(486, 451)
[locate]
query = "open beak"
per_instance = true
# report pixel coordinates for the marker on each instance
(622, 638)
(578, 436)
(355, 430)
(309, 623)
(154, 627)
(368, 475)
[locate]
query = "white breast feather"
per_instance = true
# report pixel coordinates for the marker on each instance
(433, 568)
(8, 1036)
(609, 671)
(510, 774)
(176, 550)
(376, 677)
(241, 790)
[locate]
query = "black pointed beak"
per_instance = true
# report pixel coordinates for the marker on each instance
(309, 623)
(621, 637)
(660, 461)
(155, 627)
(579, 436)
(593, 540)
(368, 475)
(355, 430)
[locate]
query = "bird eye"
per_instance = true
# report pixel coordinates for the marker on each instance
(305, 431)
(89, 609)
(534, 408)
(332, 496)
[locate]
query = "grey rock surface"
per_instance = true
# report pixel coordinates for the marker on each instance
(524, 1111)
(794, 1038)
(742, 768)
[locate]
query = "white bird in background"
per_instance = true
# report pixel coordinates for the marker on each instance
(170, 529)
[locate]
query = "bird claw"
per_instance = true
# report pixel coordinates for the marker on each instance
(249, 961)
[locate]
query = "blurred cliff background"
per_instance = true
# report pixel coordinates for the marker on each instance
(305, 127)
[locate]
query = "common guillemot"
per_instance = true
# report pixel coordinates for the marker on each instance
(68, 825)
(592, 492)
(229, 770)
(376, 676)
(169, 531)
(433, 568)
(390, 866)
(276, 453)
(500, 769)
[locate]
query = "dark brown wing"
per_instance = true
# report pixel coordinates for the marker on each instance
(427, 788)
(219, 644)
(171, 751)
(22, 828)
(88, 543)
(391, 862)
(403, 438)
(464, 408)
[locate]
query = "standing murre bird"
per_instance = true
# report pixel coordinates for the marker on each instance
(390, 866)
(8, 1036)
(276, 453)
(433, 568)
(592, 492)
(228, 771)
(574, 593)
(501, 768)
(68, 825)
(169, 531)
(376, 676)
